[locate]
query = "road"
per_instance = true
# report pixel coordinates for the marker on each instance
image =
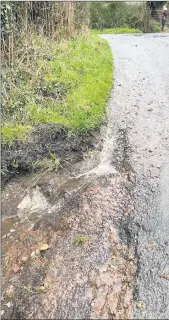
(140, 106)
(107, 229)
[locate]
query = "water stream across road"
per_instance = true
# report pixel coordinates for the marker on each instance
(106, 222)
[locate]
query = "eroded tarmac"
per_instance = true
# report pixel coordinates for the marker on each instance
(107, 224)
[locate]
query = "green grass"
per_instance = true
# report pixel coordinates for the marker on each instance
(11, 132)
(116, 31)
(67, 83)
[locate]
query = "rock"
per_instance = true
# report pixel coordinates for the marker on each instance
(149, 109)
(9, 304)
(46, 285)
(24, 259)
(35, 253)
(15, 268)
(12, 230)
(4, 236)
(2, 312)
(10, 291)
(139, 305)
(42, 288)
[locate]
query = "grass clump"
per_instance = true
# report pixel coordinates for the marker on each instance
(80, 240)
(66, 83)
(116, 31)
(46, 163)
(15, 132)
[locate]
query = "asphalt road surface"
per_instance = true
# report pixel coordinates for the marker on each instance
(140, 106)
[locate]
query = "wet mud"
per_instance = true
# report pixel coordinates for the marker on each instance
(45, 143)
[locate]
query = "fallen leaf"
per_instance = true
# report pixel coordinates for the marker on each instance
(44, 247)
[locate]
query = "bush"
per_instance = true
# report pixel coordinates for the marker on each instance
(155, 27)
(106, 15)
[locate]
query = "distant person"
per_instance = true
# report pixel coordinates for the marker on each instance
(163, 18)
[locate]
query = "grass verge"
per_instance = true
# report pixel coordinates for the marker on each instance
(116, 31)
(53, 98)
(66, 83)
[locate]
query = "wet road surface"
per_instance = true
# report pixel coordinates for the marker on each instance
(140, 106)
(107, 229)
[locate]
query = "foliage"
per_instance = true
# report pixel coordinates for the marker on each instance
(155, 27)
(66, 83)
(108, 15)
(53, 19)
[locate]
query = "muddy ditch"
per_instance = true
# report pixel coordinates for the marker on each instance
(48, 147)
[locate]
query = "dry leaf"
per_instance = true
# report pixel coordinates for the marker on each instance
(44, 247)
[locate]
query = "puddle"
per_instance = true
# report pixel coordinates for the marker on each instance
(11, 231)
(9, 224)
(72, 184)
